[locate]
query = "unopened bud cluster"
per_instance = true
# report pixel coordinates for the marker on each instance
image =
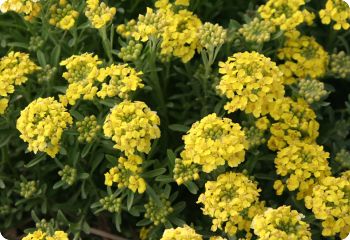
(35, 43)
(28, 189)
(311, 90)
(4, 210)
(46, 74)
(340, 65)
(158, 213)
(343, 158)
(88, 129)
(68, 175)
(211, 35)
(257, 30)
(111, 204)
(184, 173)
(131, 51)
(44, 225)
(254, 136)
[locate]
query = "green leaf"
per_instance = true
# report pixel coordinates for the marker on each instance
(164, 179)
(86, 150)
(179, 128)
(177, 221)
(58, 184)
(2, 184)
(40, 157)
(83, 176)
(153, 194)
(95, 205)
(76, 115)
(130, 200)
(55, 55)
(143, 222)
(153, 173)
(34, 216)
(192, 187)
(41, 58)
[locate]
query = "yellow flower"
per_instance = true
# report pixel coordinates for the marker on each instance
(37, 235)
(337, 11)
(58, 235)
(82, 73)
(232, 202)
(3, 105)
(182, 2)
(132, 126)
(285, 13)
(127, 174)
(30, 8)
(99, 14)
(302, 165)
(63, 15)
(122, 80)
(281, 224)
(303, 57)
(251, 82)
(14, 70)
(181, 233)
(295, 121)
(41, 125)
(212, 142)
(330, 202)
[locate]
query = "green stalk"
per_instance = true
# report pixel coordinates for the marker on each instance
(106, 44)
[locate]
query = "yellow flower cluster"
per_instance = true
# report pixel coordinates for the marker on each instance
(14, 70)
(181, 233)
(39, 235)
(251, 82)
(127, 174)
(99, 14)
(281, 224)
(213, 141)
(302, 166)
(257, 30)
(337, 11)
(228, 199)
(184, 173)
(132, 126)
(122, 80)
(285, 13)
(3, 105)
(63, 15)
(303, 57)
(88, 129)
(81, 75)
(30, 8)
(295, 121)
(330, 202)
(177, 29)
(42, 123)
(158, 213)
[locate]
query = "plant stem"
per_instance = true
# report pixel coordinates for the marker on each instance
(106, 44)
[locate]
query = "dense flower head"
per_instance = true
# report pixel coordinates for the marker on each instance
(28, 188)
(98, 13)
(132, 126)
(180, 37)
(251, 82)
(68, 175)
(343, 158)
(211, 35)
(302, 165)
(88, 129)
(295, 121)
(285, 14)
(339, 65)
(3, 105)
(82, 72)
(42, 123)
(131, 51)
(303, 57)
(330, 202)
(257, 30)
(336, 11)
(111, 203)
(127, 174)
(184, 173)
(214, 141)
(40, 235)
(228, 199)
(46, 74)
(181, 233)
(118, 80)
(29, 8)
(14, 70)
(35, 43)
(311, 90)
(255, 137)
(282, 223)
(63, 15)
(156, 212)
